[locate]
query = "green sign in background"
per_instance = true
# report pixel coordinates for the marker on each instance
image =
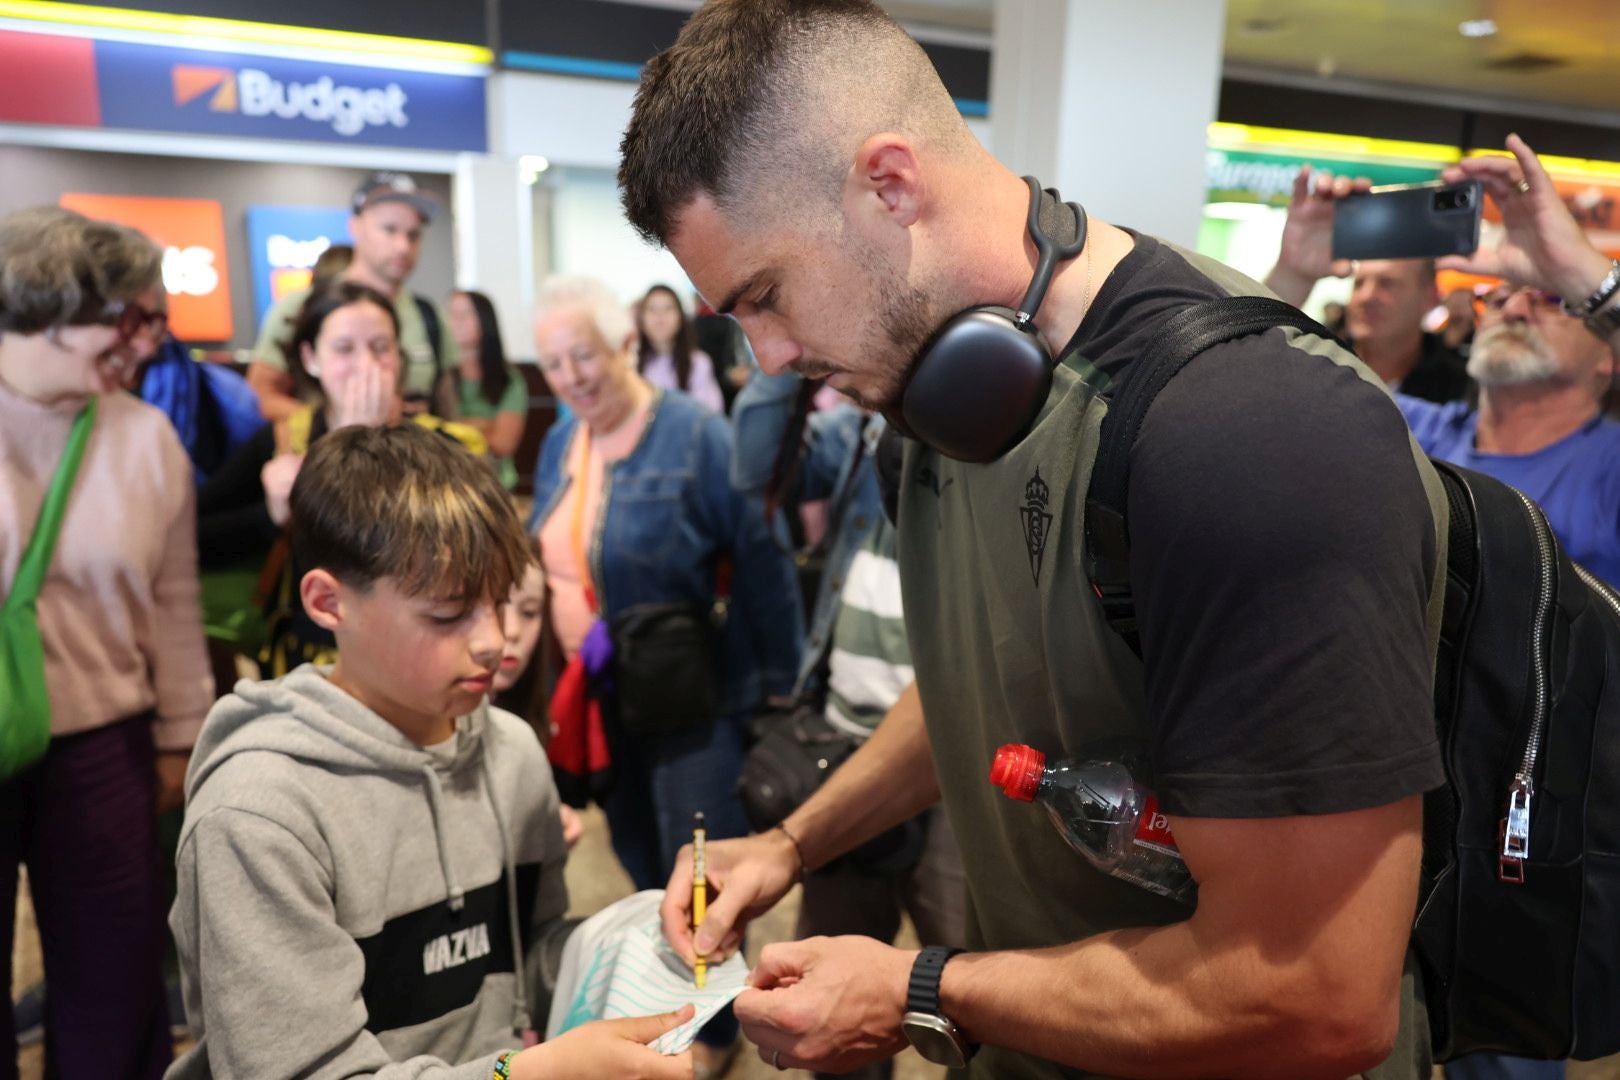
(1250, 177)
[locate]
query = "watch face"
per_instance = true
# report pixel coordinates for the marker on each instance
(935, 1038)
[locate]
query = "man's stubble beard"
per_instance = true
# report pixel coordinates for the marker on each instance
(1507, 355)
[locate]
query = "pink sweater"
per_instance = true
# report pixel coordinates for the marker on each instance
(119, 611)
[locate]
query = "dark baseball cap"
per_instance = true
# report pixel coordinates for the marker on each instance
(381, 187)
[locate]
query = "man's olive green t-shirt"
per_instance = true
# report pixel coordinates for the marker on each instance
(1285, 538)
(416, 350)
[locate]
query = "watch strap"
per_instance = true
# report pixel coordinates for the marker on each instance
(1604, 323)
(922, 992)
(1600, 296)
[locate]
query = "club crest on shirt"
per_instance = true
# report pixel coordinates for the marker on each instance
(1037, 521)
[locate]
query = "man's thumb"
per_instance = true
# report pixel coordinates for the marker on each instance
(644, 1029)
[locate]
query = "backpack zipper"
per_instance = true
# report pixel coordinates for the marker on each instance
(1515, 825)
(1599, 586)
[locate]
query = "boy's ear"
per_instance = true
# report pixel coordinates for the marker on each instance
(323, 596)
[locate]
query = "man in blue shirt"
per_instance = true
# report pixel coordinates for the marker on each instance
(1539, 426)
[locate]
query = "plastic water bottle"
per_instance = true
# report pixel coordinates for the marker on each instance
(1104, 813)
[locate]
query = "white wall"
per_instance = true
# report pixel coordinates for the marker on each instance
(576, 125)
(589, 235)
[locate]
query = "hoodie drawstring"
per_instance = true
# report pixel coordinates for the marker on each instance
(522, 1022)
(457, 896)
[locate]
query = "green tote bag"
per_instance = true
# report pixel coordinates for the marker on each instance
(25, 704)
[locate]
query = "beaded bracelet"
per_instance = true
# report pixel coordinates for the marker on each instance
(503, 1065)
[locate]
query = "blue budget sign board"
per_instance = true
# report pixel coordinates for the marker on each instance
(197, 92)
(283, 244)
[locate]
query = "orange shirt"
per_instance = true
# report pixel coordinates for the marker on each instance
(571, 614)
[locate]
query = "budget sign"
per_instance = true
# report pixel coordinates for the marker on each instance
(155, 87)
(283, 244)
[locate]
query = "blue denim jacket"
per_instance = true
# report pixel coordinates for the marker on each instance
(668, 516)
(829, 471)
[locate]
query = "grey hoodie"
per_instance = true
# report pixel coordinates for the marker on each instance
(349, 903)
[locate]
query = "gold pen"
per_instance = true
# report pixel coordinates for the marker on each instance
(700, 894)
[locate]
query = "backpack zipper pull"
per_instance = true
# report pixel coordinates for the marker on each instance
(1515, 832)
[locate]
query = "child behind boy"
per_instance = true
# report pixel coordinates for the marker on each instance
(371, 867)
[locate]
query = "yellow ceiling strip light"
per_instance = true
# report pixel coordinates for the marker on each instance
(1249, 137)
(249, 33)
(1565, 168)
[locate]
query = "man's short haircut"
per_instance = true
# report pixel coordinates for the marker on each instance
(594, 299)
(59, 268)
(410, 504)
(769, 99)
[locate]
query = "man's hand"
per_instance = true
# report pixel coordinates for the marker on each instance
(277, 478)
(1307, 244)
(1543, 246)
(828, 1004)
(171, 779)
(746, 877)
(616, 1048)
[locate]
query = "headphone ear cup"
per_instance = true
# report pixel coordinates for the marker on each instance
(977, 386)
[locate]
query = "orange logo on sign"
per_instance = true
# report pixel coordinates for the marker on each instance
(192, 82)
(191, 233)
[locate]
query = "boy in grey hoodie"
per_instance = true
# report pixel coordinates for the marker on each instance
(371, 867)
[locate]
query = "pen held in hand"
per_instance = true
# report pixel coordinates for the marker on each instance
(700, 894)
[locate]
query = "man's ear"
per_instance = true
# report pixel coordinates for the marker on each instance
(325, 599)
(885, 180)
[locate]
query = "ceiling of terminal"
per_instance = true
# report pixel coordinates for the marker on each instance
(1545, 55)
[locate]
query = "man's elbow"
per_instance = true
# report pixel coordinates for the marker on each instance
(1339, 1035)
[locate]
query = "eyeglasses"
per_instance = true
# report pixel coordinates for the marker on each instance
(1539, 301)
(131, 318)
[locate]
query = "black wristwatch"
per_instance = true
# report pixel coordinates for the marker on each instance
(934, 1037)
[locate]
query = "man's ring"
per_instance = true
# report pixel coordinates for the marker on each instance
(1522, 187)
(776, 1060)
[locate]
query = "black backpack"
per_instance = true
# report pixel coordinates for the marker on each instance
(1518, 923)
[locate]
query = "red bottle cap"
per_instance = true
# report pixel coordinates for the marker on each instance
(1017, 771)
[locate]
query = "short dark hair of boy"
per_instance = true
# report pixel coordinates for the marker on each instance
(319, 304)
(410, 504)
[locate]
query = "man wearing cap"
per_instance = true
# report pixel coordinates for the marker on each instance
(390, 213)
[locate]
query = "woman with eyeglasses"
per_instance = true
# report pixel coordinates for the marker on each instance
(104, 682)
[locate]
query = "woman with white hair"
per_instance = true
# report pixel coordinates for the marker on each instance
(645, 546)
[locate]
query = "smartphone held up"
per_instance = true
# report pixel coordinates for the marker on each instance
(1409, 221)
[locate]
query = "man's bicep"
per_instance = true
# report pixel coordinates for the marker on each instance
(1323, 901)
(1282, 553)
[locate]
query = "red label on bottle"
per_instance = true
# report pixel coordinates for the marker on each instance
(1153, 827)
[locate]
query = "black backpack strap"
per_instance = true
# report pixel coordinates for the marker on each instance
(1184, 336)
(430, 320)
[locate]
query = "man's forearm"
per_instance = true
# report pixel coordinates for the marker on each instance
(1169, 1002)
(1289, 285)
(887, 781)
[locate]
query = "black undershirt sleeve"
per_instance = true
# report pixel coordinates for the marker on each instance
(1282, 548)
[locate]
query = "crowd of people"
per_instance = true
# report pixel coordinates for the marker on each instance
(444, 673)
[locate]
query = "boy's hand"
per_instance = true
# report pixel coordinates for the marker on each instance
(277, 476)
(573, 826)
(616, 1048)
(171, 779)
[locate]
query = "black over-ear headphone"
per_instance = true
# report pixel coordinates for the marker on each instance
(980, 381)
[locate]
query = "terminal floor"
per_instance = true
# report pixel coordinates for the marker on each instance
(594, 881)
